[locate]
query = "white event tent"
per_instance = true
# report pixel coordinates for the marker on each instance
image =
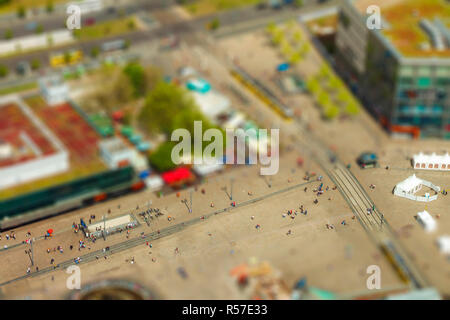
(431, 162)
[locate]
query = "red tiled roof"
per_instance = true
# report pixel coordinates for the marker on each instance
(176, 175)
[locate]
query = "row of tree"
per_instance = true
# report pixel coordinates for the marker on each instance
(22, 11)
(290, 40)
(34, 65)
(331, 94)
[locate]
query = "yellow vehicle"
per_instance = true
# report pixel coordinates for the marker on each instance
(66, 58)
(285, 113)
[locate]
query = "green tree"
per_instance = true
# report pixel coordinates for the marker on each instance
(136, 74)
(335, 83)
(35, 64)
(3, 71)
(313, 85)
(291, 24)
(214, 24)
(331, 111)
(298, 3)
(76, 33)
(131, 24)
(21, 12)
(352, 108)
(277, 38)
(161, 105)
(39, 29)
(169, 107)
(8, 34)
(305, 49)
(271, 27)
(161, 159)
(323, 98)
(343, 95)
(297, 36)
(95, 51)
(49, 7)
(286, 49)
(324, 71)
(295, 58)
(142, 79)
(67, 57)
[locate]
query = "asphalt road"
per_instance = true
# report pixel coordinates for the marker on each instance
(57, 20)
(184, 30)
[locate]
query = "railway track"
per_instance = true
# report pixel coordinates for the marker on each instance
(131, 243)
(375, 224)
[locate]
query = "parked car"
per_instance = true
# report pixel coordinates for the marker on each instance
(367, 160)
(23, 68)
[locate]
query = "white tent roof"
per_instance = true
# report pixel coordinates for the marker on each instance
(188, 72)
(443, 243)
(154, 182)
(235, 121)
(211, 103)
(427, 220)
(206, 169)
(431, 158)
(409, 183)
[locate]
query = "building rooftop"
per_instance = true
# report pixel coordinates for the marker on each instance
(25, 139)
(416, 28)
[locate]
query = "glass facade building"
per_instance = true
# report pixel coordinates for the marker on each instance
(408, 93)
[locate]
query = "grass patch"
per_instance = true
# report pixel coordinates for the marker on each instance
(106, 29)
(13, 5)
(204, 7)
(22, 87)
(405, 32)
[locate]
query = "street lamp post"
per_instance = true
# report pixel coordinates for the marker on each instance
(104, 227)
(231, 189)
(190, 207)
(32, 252)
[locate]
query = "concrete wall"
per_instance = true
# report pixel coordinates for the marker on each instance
(34, 169)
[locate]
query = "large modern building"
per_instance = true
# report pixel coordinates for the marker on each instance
(402, 70)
